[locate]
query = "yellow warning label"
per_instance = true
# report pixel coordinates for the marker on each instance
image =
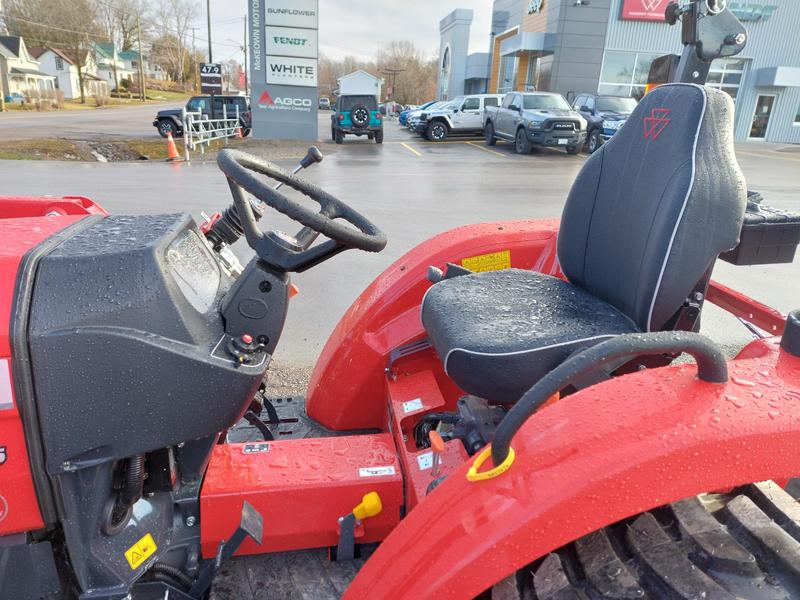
(493, 261)
(141, 551)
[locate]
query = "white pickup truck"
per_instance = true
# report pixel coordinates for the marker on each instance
(463, 114)
(535, 119)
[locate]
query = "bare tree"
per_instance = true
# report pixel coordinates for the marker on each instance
(70, 25)
(415, 80)
(175, 18)
(118, 20)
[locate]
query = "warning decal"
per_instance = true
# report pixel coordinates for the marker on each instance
(141, 551)
(494, 261)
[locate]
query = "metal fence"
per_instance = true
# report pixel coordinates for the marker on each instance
(199, 130)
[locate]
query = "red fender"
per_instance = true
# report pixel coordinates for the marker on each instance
(386, 316)
(598, 456)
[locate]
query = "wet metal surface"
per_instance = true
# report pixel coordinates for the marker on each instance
(411, 196)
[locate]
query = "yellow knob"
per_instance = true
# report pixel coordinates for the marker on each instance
(369, 507)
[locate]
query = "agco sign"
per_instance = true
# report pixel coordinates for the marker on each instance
(267, 102)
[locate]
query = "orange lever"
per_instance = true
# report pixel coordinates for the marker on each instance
(437, 443)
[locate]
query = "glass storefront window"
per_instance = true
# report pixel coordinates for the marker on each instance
(727, 75)
(643, 62)
(506, 74)
(618, 67)
(797, 116)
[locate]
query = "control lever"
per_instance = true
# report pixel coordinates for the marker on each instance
(312, 156)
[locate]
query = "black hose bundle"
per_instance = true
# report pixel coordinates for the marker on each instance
(171, 575)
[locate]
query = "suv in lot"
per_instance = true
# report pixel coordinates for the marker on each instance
(169, 121)
(357, 115)
(463, 114)
(535, 119)
(604, 114)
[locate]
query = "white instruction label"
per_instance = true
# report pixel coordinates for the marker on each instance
(425, 461)
(375, 471)
(412, 405)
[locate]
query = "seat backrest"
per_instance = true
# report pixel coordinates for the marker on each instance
(652, 209)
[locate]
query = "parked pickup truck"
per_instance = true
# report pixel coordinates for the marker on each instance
(535, 119)
(463, 114)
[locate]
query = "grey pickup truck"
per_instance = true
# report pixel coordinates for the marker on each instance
(535, 119)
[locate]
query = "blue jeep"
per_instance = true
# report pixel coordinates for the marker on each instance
(357, 115)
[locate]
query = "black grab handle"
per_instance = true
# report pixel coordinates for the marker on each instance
(711, 367)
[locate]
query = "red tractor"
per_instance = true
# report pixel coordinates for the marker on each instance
(500, 409)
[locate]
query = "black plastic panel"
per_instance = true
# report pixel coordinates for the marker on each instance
(27, 571)
(769, 236)
(122, 350)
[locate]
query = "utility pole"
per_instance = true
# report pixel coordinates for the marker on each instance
(393, 74)
(194, 61)
(142, 80)
(208, 16)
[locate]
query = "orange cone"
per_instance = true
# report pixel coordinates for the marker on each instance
(238, 135)
(172, 151)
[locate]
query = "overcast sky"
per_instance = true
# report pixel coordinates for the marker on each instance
(355, 27)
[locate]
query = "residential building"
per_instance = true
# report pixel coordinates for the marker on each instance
(21, 72)
(131, 60)
(110, 66)
(58, 63)
(607, 46)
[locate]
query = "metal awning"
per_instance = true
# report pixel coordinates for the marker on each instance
(778, 77)
(537, 43)
(20, 72)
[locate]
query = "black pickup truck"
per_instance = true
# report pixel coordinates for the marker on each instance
(535, 119)
(169, 121)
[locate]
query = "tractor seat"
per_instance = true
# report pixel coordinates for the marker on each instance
(642, 227)
(499, 332)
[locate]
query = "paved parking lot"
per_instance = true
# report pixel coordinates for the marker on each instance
(412, 189)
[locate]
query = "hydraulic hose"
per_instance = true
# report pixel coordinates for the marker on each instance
(711, 367)
(172, 575)
(134, 481)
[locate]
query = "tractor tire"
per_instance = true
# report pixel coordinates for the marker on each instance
(745, 544)
(299, 575)
(379, 136)
(489, 135)
(436, 132)
(594, 141)
(521, 143)
(338, 136)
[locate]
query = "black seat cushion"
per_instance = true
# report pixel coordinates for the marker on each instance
(498, 332)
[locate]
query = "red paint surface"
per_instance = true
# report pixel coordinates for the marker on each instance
(580, 466)
(22, 227)
(347, 387)
(301, 487)
(644, 10)
(747, 309)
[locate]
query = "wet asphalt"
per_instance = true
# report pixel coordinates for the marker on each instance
(412, 189)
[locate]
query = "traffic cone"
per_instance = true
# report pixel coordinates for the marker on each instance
(172, 151)
(238, 134)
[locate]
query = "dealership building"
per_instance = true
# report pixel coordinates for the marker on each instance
(606, 46)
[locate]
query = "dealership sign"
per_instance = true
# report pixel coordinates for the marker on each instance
(284, 47)
(291, 41)
(644, 10)
(535, 6)
(292, 13)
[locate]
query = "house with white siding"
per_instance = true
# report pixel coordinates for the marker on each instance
(21, 72)
(63, 67)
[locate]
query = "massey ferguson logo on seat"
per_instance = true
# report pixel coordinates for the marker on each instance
(656, 123)
(267, 102)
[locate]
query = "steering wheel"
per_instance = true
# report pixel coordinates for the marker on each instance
(351, 230)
